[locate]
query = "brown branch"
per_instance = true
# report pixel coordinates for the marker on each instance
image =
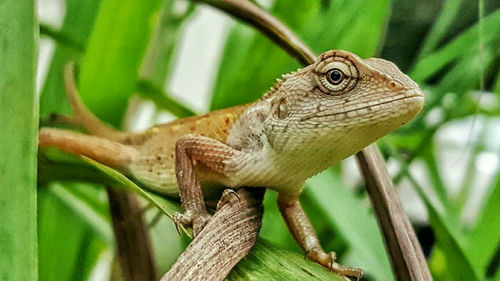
(132, 239)
(225, 240)
(407, 258)
(404, 250)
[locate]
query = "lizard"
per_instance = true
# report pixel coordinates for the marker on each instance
(309, 120)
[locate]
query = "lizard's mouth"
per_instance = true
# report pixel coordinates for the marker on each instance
(412, 99)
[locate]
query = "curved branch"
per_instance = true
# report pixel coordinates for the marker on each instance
(267, 24)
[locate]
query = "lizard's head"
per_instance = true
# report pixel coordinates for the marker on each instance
(341, 100)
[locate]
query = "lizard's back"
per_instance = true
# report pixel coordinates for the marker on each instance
(154, 165)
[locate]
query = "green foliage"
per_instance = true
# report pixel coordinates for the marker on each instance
(246, 49)
(19, 117)
(69, 244)
(116, 47)
(129, 46)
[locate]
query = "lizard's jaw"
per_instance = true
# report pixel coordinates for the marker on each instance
(385, 108)
(403, 107)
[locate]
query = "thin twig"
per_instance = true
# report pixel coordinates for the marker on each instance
(132, 239)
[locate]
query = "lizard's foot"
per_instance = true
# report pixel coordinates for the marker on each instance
(228, 196)
(328, 261)
(197, 221)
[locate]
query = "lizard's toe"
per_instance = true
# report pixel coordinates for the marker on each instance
(184, 219)
(328, 260)
(228, 196)
(199, 223)
(346, 272)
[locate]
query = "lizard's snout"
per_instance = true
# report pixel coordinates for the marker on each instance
(414, 101)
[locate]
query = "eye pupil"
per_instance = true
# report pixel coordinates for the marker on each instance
(335, 76)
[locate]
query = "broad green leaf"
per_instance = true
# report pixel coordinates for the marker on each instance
(96, 221)
(265, 262)
(484, 239)
(114, 53)
(455, 265)
(68, 247)
(355, 222)
(168, 207)
(18, 140)
(434, 173)
(274, 228)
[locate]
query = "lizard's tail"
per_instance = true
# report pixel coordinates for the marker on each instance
(105, 151)
(83, 116)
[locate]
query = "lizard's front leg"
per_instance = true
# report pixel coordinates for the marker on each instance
(189, 151)
(303, 232)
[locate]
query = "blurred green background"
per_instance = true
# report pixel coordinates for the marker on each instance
(148, 61)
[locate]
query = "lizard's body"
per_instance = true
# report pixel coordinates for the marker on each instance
(308, 121)
(154, 165)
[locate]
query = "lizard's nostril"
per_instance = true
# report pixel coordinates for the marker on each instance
(393, 84)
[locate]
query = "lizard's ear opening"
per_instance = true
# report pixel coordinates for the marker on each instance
(282, 109)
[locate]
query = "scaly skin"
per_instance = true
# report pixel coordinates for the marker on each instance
(308, 121)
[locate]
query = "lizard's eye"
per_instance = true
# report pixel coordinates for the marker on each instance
(335, 76)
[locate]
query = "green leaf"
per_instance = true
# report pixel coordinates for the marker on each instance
(265, 262)
(97, 221)
(78, 21)
(455, 264)
(447, 15)
(18, 141)
(115, 50)
(274, 228)
(168, 207)
(484, 239)
(68, 247)
(462, 46)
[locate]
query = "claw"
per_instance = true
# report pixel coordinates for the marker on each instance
(177, 228)
(184, 219)
(328, 260)
(197, 221)
(347, 271)
(225, 198)
(176, 222)
(232, 192)
(307, 254)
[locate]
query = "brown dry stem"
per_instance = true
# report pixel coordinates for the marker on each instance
(132, 238)
(225, 240)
